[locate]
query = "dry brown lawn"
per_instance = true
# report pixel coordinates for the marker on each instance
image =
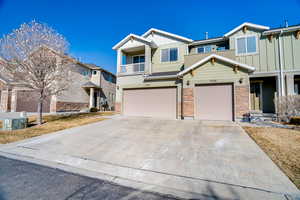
(282, 146)
(51, 124)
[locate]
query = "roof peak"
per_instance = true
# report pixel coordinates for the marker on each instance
(248, 24)
(166, 33)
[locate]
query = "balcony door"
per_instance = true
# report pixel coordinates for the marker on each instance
(138, 63)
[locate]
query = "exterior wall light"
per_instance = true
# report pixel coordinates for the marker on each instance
(241, 80)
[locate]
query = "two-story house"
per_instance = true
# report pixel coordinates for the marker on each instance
(161, 74)
(91, 86)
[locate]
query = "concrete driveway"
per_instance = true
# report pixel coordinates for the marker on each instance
(189, 159)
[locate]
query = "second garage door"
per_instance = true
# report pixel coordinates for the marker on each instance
(214, 102)
(152, 102)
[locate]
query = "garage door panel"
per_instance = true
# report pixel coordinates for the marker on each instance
(158, 102)
(214, 102)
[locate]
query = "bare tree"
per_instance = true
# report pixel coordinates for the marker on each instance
(34, 55)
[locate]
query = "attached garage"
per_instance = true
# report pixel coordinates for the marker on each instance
(150, 102)
(214, 102)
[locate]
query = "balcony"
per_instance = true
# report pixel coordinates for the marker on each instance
(135, 68)
(193, 58)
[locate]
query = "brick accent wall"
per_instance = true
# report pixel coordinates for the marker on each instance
(118, 107)
(241, 100)
(188, 102)
(69, 106)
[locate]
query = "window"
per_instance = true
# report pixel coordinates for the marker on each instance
(169, 55)
(221, 48)
(138, 62)
(204, 49)
(138, 59)
(94, 72)
(85, 73)
(246, 45)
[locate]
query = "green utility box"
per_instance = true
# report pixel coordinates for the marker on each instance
(14, 123)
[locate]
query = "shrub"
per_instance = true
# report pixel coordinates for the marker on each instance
(93, 109)
(295, 120)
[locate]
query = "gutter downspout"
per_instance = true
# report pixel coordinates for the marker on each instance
(181, 109)
(280, 65)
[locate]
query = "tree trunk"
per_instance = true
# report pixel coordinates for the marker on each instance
(40, 112)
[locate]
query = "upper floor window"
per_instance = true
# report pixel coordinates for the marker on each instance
(85, 73)
(169, 55)
(94, 72)
(138, 59)
(246, 45)
(204, 49)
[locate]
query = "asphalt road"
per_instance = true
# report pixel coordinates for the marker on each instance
(27, 181)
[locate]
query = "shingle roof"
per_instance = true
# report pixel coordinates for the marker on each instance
(89, 84)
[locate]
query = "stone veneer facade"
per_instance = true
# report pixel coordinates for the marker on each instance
(60, 106)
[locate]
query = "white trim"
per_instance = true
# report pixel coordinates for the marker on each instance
(246, 36)
(256, 26)
(147, 77)
(128, 37)
(204, 60)
(169, 55)
(167, 34)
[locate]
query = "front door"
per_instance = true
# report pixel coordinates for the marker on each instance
(256, 96)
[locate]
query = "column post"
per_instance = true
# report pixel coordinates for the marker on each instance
(119, 60)
(91, 98)
(148, 59)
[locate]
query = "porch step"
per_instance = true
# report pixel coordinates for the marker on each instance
(259, 116)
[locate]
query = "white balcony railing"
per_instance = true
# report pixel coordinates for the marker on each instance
(132, 68)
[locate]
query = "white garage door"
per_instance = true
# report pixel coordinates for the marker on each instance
(214, 102)
(153, 102)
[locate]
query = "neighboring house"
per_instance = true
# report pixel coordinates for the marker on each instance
(92, 86)
(160, 74)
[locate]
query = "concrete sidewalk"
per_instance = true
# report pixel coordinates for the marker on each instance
(188, 159)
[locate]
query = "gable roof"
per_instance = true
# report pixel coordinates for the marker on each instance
(131, 36)
(161, 75)
(154, 30)
(206, 41)
(224, 59)
(256, 26)
(89, 84)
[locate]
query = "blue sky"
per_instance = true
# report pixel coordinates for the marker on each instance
(92, 26)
